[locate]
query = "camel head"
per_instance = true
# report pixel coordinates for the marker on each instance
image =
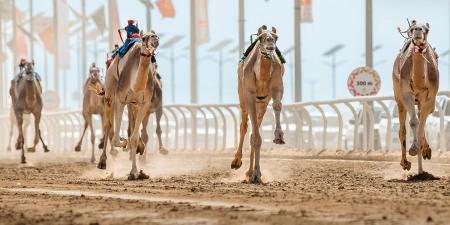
(150, 41)
(29, 67)
(94, 83)
(418, 32)
(267, 40)
(150, 38)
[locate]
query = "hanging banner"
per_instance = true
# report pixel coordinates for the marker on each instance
(166, 8)
(306, 11)
(46, 36)
(201, 21)
(99, 19)
(21, 47)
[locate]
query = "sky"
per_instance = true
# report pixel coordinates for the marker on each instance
(335, 22)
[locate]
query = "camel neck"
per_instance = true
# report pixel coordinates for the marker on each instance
(419, 75)
(143, 72)
(265, 68)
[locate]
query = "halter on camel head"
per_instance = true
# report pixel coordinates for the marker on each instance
(417, 34)
(267, 41)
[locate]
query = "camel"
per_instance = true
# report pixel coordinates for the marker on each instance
(416, 81)
(93, 92)
(154, 106)
(126, 82)
(26, 96)
(260, 79)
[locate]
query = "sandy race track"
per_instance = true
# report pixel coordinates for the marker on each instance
(196, 188)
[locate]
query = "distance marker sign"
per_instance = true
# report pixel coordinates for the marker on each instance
(364, 81)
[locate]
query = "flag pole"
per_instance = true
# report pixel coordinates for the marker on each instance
(193, 55)
(55, 44)
(241, 27)
(14, 38)
(31, 29)
(297, 51)
(83, 40)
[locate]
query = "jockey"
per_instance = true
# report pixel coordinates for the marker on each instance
(132, 37)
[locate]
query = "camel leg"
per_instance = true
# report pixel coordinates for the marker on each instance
(20, 138)
(91, 127)
(237, 162)
(133, 144)
(107, 129)
(409, 101)
(100, 145)
(37, 119)
(42, 141)
(260, 112)
(86, 124)
(406, 165)
(158, 115)
(255, 139)
(144, 138)
(118, 113)
(424, 110)
(277, 95)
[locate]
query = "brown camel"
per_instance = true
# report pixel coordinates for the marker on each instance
(260, 79)
(416, 82)
(26, 96)
(93, 92)
(126, 82)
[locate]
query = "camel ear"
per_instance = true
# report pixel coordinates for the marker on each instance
(153, 32)
(274, 30)
(32, 62)
(427, 25)
(261, 29)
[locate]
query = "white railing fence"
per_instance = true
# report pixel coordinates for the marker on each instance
(363, 123)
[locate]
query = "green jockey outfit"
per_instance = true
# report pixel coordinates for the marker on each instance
(250, 48)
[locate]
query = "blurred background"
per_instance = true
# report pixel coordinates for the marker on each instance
(334, 37)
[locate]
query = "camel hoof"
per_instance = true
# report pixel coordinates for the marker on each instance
(413, 151)
(406, 165)
(131, 176)
(236, 164)
(46, 149)
(102, 163)
(163, 151)
(279, 141)
(92, 160)
(78, 148)
(256, 177)
(8, 148)
(142, 176)
(426, 153)
(140, 148)
(31, 150)
(23, 161)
